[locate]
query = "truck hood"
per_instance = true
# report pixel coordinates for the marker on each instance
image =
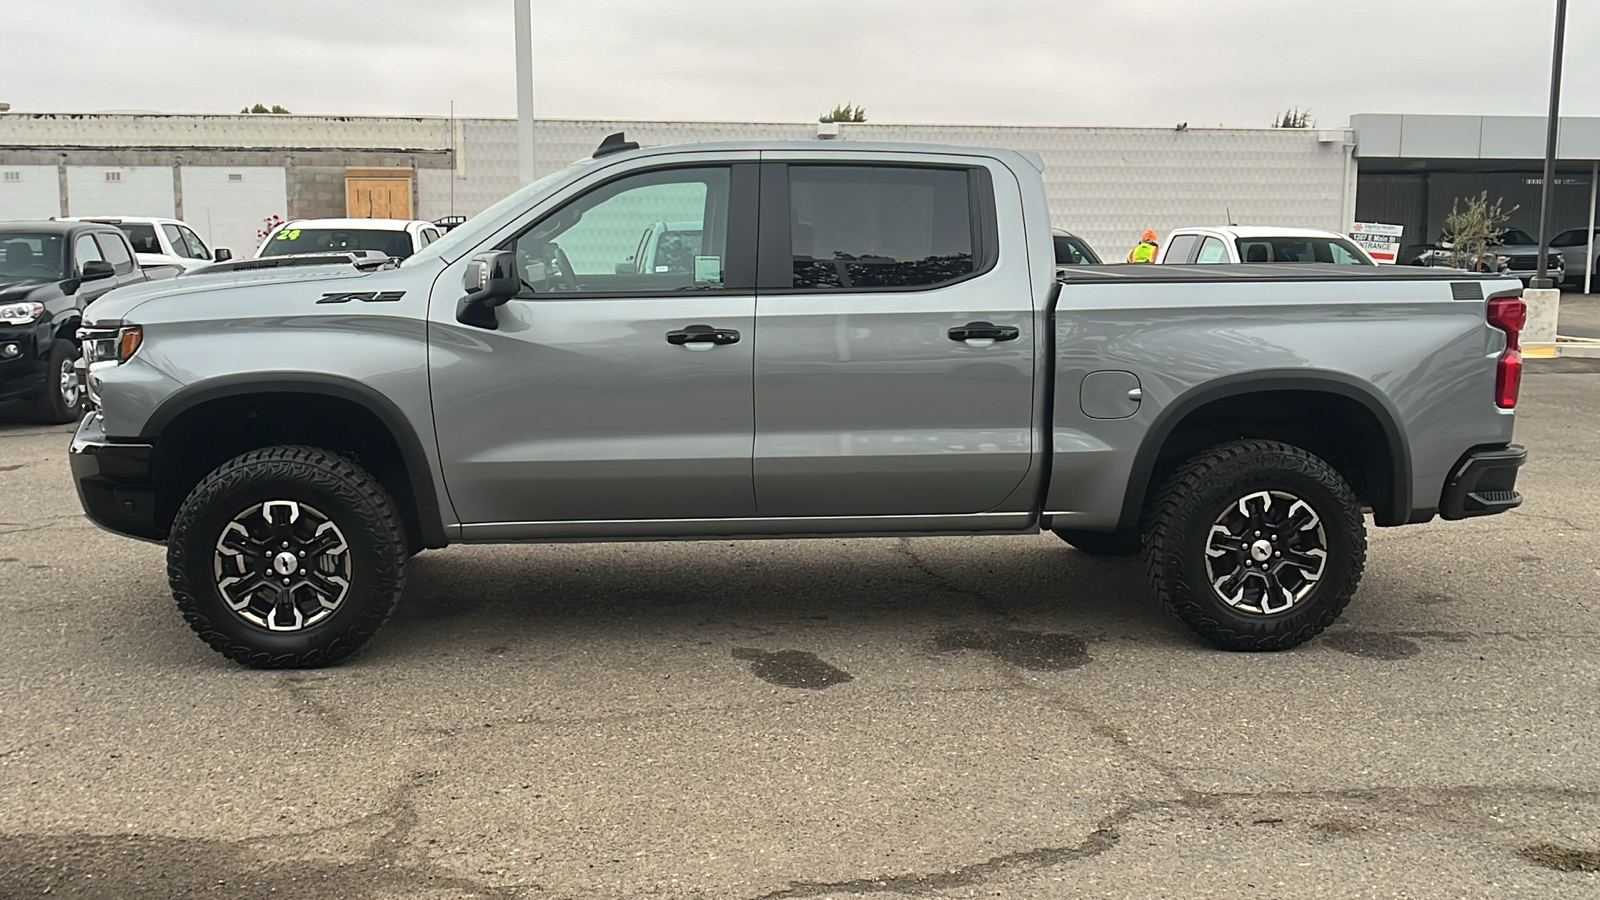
(198, 287)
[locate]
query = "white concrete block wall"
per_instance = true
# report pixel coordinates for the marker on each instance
(137, 191)
(33, 192)
(227, 212)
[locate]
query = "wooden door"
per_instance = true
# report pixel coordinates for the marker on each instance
(370, 195)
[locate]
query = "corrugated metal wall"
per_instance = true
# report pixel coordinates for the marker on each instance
(29, 192)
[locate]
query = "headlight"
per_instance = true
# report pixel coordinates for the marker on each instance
(21, 313)
(110, 345)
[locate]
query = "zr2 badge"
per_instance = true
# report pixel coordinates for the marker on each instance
(363, 296)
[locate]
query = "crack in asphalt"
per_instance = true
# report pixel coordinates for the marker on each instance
(117, 866)
(1107, 834)
(943, 582)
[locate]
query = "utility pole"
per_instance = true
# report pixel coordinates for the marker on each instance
(1541, 278)
(524, 25)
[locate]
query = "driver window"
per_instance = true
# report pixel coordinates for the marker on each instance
(87, 250)
(663, 230)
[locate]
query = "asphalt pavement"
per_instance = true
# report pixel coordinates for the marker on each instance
(940, 717)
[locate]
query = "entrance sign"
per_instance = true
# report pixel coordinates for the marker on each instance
(1382, 242)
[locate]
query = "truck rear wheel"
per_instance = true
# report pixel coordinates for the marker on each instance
(287, 557)
(1256, 545)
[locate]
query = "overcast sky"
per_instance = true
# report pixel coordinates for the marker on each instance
(1064, 62)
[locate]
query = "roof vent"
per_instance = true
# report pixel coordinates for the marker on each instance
(614, 143)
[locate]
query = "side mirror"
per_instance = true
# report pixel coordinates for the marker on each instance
(491, 279)
(221, 255)
(97, 269)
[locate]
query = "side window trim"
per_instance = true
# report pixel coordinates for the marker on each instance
(196, 246)
(78, 258)
(738, 269)
(775, 273)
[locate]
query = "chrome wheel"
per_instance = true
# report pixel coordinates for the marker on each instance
(282, 565)
(1266, 552)
(68, 383)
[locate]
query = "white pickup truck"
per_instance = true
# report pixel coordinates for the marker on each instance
(162, 242)
(1259, 244)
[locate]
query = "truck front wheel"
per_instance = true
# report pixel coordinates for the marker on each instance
(287, 557)
(1256, 545)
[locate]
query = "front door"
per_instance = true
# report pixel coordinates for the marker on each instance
(618, 386)
(895, 360)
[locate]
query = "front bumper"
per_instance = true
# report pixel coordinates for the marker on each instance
(22, 373)
(113, 479)
(1483, 483)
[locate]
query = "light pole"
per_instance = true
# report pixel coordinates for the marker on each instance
(524, 25)
(1552, 125)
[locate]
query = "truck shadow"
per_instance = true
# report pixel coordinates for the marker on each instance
(496, 595)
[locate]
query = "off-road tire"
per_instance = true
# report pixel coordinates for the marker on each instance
(50, 407)
(348, 496)
(1102, 543)
(1180, 528)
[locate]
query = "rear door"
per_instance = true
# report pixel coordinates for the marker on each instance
(608, 395)
(895, 345)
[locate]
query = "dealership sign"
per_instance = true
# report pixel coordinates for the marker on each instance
(1382, 242)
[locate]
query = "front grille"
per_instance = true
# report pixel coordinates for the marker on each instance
(1527, 262)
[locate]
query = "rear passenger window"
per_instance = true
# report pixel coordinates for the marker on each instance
(1212, 251)
(1181, 249)
(869, 227)
(116, 252)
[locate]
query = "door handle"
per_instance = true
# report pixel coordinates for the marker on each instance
(702, 337)
(984, 331)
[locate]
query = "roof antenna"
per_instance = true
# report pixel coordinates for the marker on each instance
(1231, 222)
(614, 143)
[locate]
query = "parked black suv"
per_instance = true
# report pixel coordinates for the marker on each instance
(50, 271)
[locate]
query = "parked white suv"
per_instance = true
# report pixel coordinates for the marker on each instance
(1259, 244)
(162, 242)
(398, 238)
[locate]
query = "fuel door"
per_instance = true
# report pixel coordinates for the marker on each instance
(1110, 394)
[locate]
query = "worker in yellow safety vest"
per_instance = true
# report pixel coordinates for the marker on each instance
(1146, 250)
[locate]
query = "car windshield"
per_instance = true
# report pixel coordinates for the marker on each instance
(32, 256)
(292, 239)
(1301, 250)
(1513, 236)
(469, 230)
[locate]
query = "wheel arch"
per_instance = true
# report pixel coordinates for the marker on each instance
(410, 483)
(1391, 503)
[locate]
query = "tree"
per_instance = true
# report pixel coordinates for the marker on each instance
(1471, 228)
(259, 109)
(845, 113)
(1294, 118)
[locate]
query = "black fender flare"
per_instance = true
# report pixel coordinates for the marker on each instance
(1396, 512)
(430, 521)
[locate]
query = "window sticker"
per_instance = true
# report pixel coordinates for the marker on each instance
(288, 234)
(708, 269)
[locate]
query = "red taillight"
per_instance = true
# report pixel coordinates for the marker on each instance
(1508, 314)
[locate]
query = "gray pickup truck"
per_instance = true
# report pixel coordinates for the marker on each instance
(866, 340)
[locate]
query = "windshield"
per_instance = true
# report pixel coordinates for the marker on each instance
(322, 240)
(1514, 236)
(1301, 250)
(470, 229)
(32, 256)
